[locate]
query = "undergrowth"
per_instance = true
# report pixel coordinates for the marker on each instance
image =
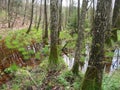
(20, 41)
(111, 82)
(28, 76)
(69, 81)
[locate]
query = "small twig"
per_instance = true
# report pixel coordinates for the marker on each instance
(63, 49)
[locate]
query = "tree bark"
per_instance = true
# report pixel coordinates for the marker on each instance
(25, 13)
(45, 31)
(116, 13)
(53, 58)
(31, 20)
(40, 15)
(1, 6)
(71, 2)
(81, 21)
(9, 14)
(36, 14)
(94, 73)
(115, 21)
(60, 17)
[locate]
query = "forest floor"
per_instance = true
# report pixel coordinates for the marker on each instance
(39, 77)
(36, 77)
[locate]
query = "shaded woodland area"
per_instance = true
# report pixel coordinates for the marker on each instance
(59, 44)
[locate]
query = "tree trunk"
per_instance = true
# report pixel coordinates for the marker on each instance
(36, 14)
(1, 6)
(116, 13)
(25, 13)
(53, 58)
(40, 15)
(81, 21)
(60, 17)
(108, 34)
(9, 14)
(31, 20)
(70, 7)
(14, 19)
(94, 73)
(16, 14)
(45, 31)
(115, 21)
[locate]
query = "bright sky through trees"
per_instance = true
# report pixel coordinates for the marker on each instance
(66, 2)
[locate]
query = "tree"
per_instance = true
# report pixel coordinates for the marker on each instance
(9, 14)
(66, 14)
(115, 21)
(13, 7)
(81, 21)
(3, 4)
(71, 3)
(36, 14)
(116, 13)
(45, 32)
(60, 17)
(31, 19)
(53, 58)
(93, 76)
(40, 14)
(25, 12)
(112, 32)
(16, 6)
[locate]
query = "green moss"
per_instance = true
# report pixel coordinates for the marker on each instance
(53, 57)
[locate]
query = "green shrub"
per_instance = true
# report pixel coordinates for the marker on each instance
(19, 41)
(13, 68)
(111, 82)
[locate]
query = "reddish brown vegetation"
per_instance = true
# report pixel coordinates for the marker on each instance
(10, 56)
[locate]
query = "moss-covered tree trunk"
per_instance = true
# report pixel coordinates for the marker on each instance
(53, 58)
(81, 21)
(94, 73)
